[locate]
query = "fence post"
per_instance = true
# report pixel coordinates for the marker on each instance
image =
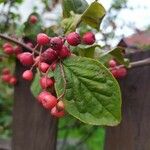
(33, 127)
(134, 131)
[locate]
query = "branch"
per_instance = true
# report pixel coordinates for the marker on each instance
(140, 63)
(64, 78)
(17, 42)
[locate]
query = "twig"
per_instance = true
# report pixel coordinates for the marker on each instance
(64, 78)
(17, 42)
(140, 63)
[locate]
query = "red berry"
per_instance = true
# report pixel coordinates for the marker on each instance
(26, 58)
(53, 66)
(64, 52)
(42, 95)
(57, 113)
(43, 67)
(6, 71)
(114, 72)
(9, 50)
(6, 77)
(88, 38)
(73, 38)
(121, 72)
(49, 101)
(7, 45)
(46, 82)
(49, 56)
(42, 39)
(17, 50)
(56, 43)
(13, 80)
(33, 19)
(112, 63)
(27, 75)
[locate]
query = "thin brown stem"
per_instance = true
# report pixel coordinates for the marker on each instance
(64, 78)
(17, 42)
(140, 63)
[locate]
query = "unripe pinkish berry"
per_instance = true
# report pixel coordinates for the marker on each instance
(56, 113)
(27, 75)
(46, 82)
(26, 58)
(43, 67)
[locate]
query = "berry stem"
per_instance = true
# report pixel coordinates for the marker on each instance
(64, 78)
(17, 42)
(140, 63)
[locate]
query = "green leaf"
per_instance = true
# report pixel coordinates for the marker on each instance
(87, 50)
(35, 87)
(77, 6)
(93, 15)
(117, 54)
(92, 93)
(70, 24)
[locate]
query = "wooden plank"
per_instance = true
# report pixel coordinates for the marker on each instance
(133, 132)
(33, 127)
(4, 144)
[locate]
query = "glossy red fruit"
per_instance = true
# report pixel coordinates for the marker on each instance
(7, 45)
(46, 82)
(6, 77)
(73, 38)
(88, 38)
(27, 75)
(49, 56)
(121, 72)
(114, 72)
(53, 66)
(42, 39)
(42, 95)
(56, 113)
(33, 19)
(9, 50)
(13, 80)
(56, 43)
(6, 71)
(64, 52)
(49, 101)
(17, 50)
(43, 67)
(26, 58)
(112, 63)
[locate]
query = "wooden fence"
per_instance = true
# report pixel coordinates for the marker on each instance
(34, 129)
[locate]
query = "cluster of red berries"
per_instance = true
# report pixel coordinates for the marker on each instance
(7, 77)
(118, 72)
(44, 56)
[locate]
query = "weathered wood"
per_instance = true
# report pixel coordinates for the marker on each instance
(33, 127)
(134, 131)
(4, 144)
